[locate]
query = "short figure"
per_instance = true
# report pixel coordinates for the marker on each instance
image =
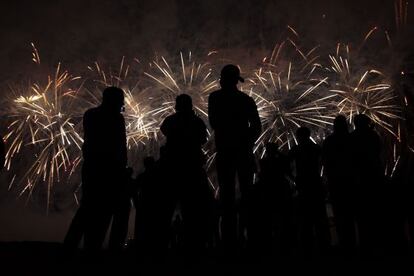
(273, 202)
(306, 157)
(186, 133)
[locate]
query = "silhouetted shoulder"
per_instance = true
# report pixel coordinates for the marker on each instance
(91, 113)
(166, 124)
(215, 94)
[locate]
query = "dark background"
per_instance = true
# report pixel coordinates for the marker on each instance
(78, 32)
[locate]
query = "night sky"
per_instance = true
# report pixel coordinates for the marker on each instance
(79, 32)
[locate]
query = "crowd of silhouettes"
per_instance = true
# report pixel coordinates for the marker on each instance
(275, 205)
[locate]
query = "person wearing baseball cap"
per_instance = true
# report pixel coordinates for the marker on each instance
(235, 120)
(230, 72)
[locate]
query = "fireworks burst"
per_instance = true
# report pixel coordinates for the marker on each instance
(292, 88)
(361, 90)
(190, 77)
(43, 120)
(288, 95)
(140, 122)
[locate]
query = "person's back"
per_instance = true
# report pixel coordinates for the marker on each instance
(104, 139)
(366, 149)
(337, 153)
(274, 173)
(307, 156)
(272, 202)
(371, 192)
(186, 133)
(234, 118)
(337, 158)
(366, 159)
(104, 175)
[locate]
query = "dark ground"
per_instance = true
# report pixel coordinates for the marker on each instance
(39, 258)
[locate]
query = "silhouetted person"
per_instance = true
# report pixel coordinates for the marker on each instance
(154, 208)
(235, 120)
(337, 161)
(307, 161)
(186, 133)
(273, 202)
(369, 181)
(104, 174)
(2, 153)
(143, 196)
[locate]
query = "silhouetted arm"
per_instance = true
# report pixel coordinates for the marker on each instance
(87, 133)
(212, 112)
(165, 127)
(122, 137)
(254, 121)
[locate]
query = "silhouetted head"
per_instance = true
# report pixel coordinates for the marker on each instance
(340, 125)
(303, 135)
(272, 149)
(362, 122)
(230, 76)
(149, 162)
(183, 103)
(113, 99)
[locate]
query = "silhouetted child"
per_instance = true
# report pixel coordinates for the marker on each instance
(307, 160)
(274, 201)
(143, 196)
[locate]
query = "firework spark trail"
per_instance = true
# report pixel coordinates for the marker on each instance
(189, 77)
(289, 95)
(43, 120)
(292, 88)
(364, 90)
(140, 123)
(401, 14)
(185, 76)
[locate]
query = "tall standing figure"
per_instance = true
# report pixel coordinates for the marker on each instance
(370, 185)
(337, 163)
(104, 174)
(235, 120)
